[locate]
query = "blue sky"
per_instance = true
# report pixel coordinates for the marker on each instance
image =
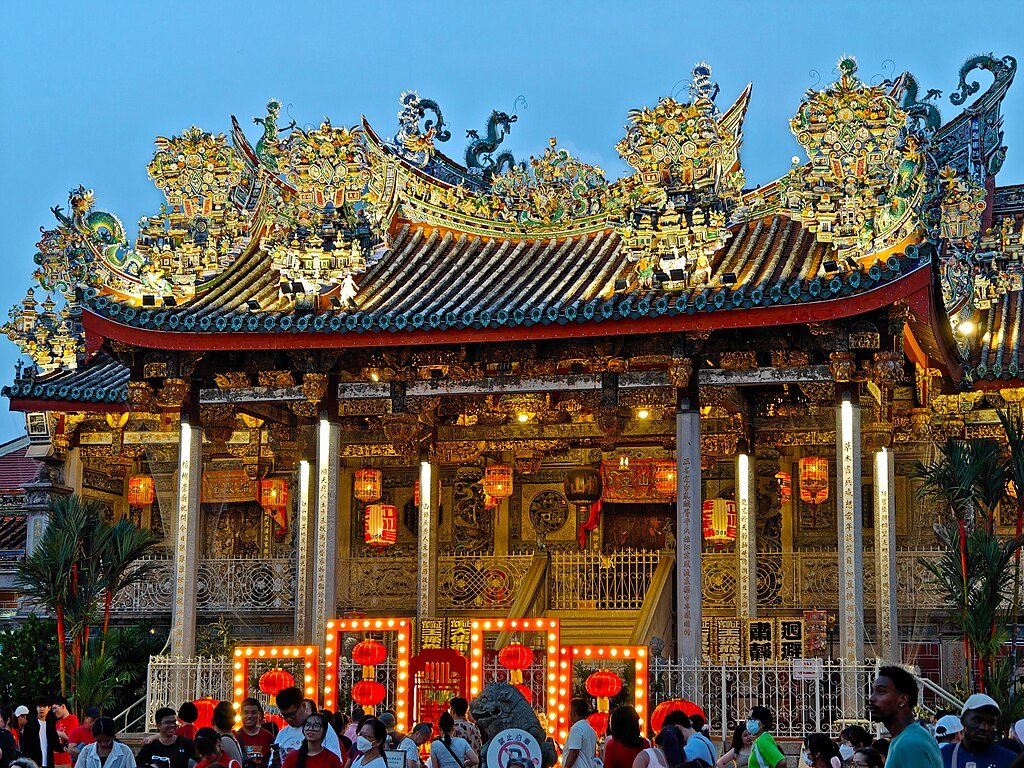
(88, 86)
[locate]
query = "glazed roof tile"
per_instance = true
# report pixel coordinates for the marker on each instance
(100, 380)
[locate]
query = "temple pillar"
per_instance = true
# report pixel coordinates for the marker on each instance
(888, 644)
(304, 558)
(328, 468)
(186, 537)
(746, 536)
(688, 531)
(848, 514)
(426, 598)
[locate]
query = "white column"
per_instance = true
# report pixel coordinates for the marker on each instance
(304, 558)
(186, 540)
(885, 555)
(426, 602)
(746, 537)
(688, 535)
(848, 507)
(328, 465)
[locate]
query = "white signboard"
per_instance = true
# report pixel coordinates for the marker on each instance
(513, 748)
(806, 669)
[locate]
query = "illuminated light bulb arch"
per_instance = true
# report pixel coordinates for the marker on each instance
(620, 654)
(402, 629)
(550, 628)
(243, 655)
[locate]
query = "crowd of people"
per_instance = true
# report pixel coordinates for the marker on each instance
(52, 736)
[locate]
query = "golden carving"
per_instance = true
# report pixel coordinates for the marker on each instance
(173, 393)
(680, 371)
(140, 395)
(842, 366)
(232, 380)
(314, 387)
(276, 379)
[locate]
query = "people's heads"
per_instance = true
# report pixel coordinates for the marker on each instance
(894, 692)
(389, 721)
(624, 724)
(60, 707)
(1017, 732)
(188, 712)
(6, 716)
(881, 746)
(421, 733)
(761, 720)
(446, 722)
(92, 714)
(373, 733)
(867, 757)
(252, 713)
(459, 706)
(856, 736)
(103, 730)
(42, 707)
(949, 729)
(818, 747)
(980, 717)
(672, 744)
(740, 738)
(291, 706)
(578, 710)
(223, 716)
(680, 720)
(21, 713)
(314, 728)
(166, 721)
(358, 714)
(208, 748)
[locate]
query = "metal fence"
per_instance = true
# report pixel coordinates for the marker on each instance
(595, 581)
(480, 582)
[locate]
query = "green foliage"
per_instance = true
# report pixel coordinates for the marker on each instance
(216, 639)
(130, 648)
(97, 681)
(29, 665)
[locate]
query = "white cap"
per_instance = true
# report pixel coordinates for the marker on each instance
(22, 710)
(979, 701)
(947, 726)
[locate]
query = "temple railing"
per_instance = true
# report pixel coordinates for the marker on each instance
(223, 585)
(594, 581)
(378, 584)
(480, 582)
(800, 580)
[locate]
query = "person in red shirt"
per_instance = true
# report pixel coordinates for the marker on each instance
(312, 753)
(209, 750)
(253, 738)
(66, 723)
(626, 742)
(82, 735)
(188, 713)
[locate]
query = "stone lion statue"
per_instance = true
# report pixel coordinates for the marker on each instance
(500, 706)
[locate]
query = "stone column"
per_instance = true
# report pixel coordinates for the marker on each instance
(304, 555)
(430, 488)
(328, 467)
(888, 646)
(848, 513)
(186, 538)
(746, 536)
(688, 533)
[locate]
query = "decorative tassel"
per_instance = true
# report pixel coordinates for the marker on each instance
(368, 673)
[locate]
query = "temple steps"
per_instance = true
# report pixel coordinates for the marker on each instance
(584, 627)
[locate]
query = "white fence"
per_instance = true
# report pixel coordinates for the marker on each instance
(595, 581)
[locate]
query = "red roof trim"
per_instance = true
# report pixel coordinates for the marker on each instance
(98, 328)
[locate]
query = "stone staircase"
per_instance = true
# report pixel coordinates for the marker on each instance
(596, 627)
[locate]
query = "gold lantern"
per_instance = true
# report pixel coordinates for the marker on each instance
(274, 493)
(367, 485)
(719, 522)
(665, 477)
(814, 479)
(140, 491)
(497, 481)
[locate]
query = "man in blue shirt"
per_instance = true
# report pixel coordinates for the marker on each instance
(980, 717)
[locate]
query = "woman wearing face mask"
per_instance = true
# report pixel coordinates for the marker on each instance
(451, 751)
(313, 753)
(370, 743)
(738, 755)
(852, 738)
(821, 752)
(764, 753)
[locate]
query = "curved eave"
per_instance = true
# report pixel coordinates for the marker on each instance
(909, 287)
(26, 405)
(928, 337)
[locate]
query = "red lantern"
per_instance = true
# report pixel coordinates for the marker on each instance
(525, 690)
(599, 722)
(140, 491)
(674, 705)
(603, 685)
(582, 486)
(416, 493)
(205, 706)
(274, 493)
(515, 657)
(814, 479)
(380, 528)
(719, 522)
(275, 681)
(497, 481)
(368, 693)
(368, 654)
(665, 477)
(276, 720)
(367, 484)
(785, 486)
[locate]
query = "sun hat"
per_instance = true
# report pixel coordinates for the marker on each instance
(979, 701)
(947, 726)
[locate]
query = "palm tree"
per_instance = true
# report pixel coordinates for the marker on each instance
(119, 566)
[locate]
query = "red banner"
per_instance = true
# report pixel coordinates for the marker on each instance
(633, 484)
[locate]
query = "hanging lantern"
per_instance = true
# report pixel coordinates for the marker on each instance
(275, 681)
(140, 491)
(368, 654)
(1011, 489)
(665, 477)
(814, 479)
(380, 525)
(205, 707)
(367, 484)
(525, 690)
(603, 685)
(719, 519)
(497, 481)
(785, 486)
(368, 693)
(599, 722)
(274, 493)
(515, 657)
(582, 486)
(661, 711)
(416, 493)
(490, 502)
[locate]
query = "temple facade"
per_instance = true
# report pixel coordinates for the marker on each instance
(343, 374)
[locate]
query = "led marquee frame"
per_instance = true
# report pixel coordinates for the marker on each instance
(623, 654)
(476, 655)
(244, 654)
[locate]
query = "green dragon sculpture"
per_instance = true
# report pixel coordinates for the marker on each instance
(479, 153)
(922, 111)
(1001, 69)
(267, 147)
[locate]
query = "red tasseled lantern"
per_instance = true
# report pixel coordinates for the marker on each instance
(368, 693)
(718, 517)
(497, 481)
(665, 477)
(599, 722)
(205, 706)
(525, 690)
(140, 491)
(274, 493)
(673, 705)
(275, 681)
(368, 654)
(515, 657)
(602, 685)
(814, 479)
(416, 493)
(380, 527)
(367, 485)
